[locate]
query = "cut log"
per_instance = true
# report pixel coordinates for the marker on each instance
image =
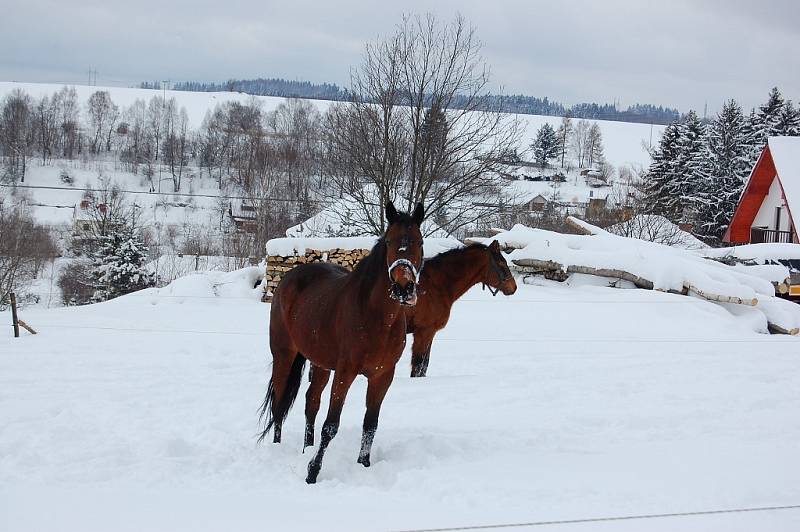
(535, 265)
(719, 298)
(639, 282)
(777, 329)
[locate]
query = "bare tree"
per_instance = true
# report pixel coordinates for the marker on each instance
(419, 125)
(103, 114)
(580, 141)
(564, 135)
(594, 146)
(17, 133)
(24, 248)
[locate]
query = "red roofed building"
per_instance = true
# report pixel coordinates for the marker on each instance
(769, 208)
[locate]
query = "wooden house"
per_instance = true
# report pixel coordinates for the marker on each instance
(769, 206)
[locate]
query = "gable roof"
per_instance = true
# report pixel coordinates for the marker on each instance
(780, 158)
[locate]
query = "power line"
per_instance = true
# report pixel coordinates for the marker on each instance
(156, 193)
(539, 340)
(606, 519)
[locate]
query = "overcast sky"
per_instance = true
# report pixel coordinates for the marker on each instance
(680, 53)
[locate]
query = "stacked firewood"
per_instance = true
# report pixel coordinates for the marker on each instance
(278, 265)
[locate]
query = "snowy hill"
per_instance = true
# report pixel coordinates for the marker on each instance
(556, 403)
(622, 140)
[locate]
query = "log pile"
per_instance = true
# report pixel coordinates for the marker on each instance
(278, 265)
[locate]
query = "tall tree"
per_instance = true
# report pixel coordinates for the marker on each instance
(727, 166)
(564, 133)
(420, 126)
(545, 146)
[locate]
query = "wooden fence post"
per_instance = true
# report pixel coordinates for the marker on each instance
(14, 319)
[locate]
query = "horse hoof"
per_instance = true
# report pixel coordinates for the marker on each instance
(364, 460)
(312, 474)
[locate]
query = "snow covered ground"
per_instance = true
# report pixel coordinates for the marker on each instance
(560, 402)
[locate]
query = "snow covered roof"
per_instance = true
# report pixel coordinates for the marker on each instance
(786, 157)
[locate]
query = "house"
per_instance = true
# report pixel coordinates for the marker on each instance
(243, 214)
(764, 212)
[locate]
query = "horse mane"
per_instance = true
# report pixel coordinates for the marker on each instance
(452, 252)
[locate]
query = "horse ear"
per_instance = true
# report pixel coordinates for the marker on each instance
(419, 214)
(494, 246)
(391, 212)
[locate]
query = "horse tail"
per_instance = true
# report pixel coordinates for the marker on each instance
(284, 404)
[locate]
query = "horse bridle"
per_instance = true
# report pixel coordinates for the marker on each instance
(406, 262)
(501, 275)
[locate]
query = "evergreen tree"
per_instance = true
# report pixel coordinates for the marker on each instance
(119, 267)
(788, 122)
(677, 173)
(689, 168)
(726, 168)
(662, 172)
(768, 116)
(546, 145)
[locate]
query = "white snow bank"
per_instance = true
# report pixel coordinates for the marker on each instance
(668, 268)
(298, 246)
(208, 285)
(760, 253)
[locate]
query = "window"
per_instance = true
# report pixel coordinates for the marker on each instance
(777, 218)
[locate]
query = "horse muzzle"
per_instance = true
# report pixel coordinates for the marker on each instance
(404, 288)
(406, 294)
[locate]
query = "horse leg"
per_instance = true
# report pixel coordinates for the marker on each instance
(341, 383)
(421, 352)
(376, 391)
(319, 379)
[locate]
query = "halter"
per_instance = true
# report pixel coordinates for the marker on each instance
(406, 262)
(501, 275)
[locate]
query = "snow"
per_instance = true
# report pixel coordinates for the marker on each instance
(624, 142)
(288, 247)
(559, 402)
(655, 228)
(760, 253)
(668, 268)
(785, 153)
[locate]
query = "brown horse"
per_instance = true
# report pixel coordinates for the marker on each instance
(350, 322)
(444, 279)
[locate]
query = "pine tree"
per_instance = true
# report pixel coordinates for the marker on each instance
(788, 122)
(119, 267)
(546, 145)
(689, 171)
(677, 173)
(726, 167)
(662, 172)
(766, 123)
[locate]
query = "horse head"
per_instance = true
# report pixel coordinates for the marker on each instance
(404, 253)
(498, 275)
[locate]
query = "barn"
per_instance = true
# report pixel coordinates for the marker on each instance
(764, 212)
